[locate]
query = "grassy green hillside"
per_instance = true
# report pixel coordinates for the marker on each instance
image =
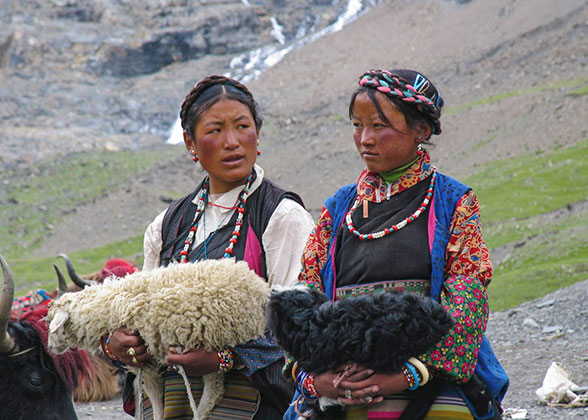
(34, 201)
(520, 198)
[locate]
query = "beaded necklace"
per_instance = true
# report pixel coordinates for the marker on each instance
(393, 228)
(202, 201)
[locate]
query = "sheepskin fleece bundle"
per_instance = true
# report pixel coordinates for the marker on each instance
(378, 331)
(208, 304)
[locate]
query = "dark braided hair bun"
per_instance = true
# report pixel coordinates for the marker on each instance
(413, 93)
(208, 92)
(424, 85)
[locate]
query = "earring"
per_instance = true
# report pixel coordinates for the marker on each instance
(419, 137)
(420, 150)
(258, 152)
(195, 158)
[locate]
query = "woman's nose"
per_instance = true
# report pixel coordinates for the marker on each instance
(231, 138)
(367, 136)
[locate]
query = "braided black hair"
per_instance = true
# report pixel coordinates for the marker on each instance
(208, 92)
(412, 93)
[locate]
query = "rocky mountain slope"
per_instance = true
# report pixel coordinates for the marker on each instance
(69, 84)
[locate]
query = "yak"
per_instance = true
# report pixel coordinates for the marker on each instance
(36, 384)
(33, 385)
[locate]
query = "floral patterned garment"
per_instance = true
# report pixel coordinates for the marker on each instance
(468, 271)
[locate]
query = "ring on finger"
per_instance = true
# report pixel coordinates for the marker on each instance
(135, 361)
(348, 394)
(131, 352)
(368, 399)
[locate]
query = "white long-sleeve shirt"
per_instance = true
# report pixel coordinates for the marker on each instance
(283, 240)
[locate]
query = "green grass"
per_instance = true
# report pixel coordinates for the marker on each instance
(555, 261)
(40, 197)
(517, 231)
(515, 196)
(581, 91)
(528, 186)
(562, 84)
(39, 274)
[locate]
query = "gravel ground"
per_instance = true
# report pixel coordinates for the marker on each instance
(529, 337)
(526, 339)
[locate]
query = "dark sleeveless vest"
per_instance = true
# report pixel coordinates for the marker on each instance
(275, 390)
(260, 206)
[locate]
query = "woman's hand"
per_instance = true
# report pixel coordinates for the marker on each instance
(371, 388)
(128, 347)
(196, 362)
(329, 384)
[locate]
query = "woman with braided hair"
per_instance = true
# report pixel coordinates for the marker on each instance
(403, 226)
(233, 212)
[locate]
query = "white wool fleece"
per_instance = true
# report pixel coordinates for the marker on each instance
(208, 304)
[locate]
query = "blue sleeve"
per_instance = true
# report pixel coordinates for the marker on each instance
(259, 353)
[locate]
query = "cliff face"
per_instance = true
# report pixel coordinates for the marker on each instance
(88, 73)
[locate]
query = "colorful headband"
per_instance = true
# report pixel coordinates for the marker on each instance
(391, 84)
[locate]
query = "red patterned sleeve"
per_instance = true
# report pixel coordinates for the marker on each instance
(468, 272)
(466, 252)
(315, 251)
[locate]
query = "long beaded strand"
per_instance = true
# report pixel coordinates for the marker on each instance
(239, 222)
(202, 201)
(393, 228)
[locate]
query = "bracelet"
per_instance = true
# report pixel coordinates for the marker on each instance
(305, 385)
(308, 384)
(411, 376)
(422, 369)
(225, 357)
(106, 348)
(294, 368)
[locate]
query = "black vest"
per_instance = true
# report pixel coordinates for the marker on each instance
(258, 210)
(406, 252)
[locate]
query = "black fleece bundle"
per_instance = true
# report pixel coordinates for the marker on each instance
(380, 331)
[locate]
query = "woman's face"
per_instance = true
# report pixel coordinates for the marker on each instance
(382, 145)
(225, 141)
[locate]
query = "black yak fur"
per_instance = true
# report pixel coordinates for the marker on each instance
(35, 385)
(378, 332)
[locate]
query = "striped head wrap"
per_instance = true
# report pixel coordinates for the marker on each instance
(410, 87)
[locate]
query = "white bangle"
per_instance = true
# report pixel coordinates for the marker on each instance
(420, 366)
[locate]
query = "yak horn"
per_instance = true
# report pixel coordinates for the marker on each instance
(62, 288)
(80, 282)
(7, 344)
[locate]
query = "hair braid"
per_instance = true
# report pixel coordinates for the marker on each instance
(420, 93)
(189, 116)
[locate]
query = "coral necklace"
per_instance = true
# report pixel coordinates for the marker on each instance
(393, 228)
(202, 201)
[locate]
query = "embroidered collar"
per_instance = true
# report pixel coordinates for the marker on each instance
(372, 186)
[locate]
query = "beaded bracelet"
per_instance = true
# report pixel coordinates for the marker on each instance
(423, 371)
(305, 385)
(225, 357)
(106, 348)
(411, 376)
(308, 384)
